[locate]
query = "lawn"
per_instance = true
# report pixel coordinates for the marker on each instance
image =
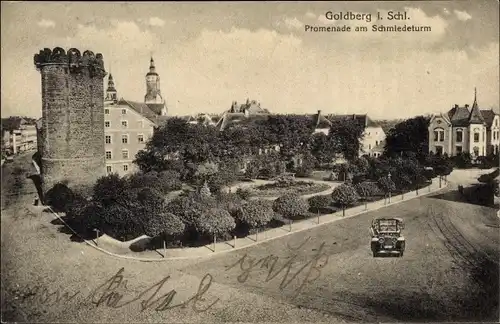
(277, 189)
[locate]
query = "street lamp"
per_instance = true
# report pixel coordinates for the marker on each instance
(389, 177)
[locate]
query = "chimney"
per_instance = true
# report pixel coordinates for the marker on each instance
(467, 106)
(456, 106)
(319, 112)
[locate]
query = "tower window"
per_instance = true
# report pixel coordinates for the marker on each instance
(109, 169)
(140, 138)
(124, 139)
(125, 167)
(124, 123)
(107, 124)
(124, 111)
(108, 139)
(106, 111)
(108, 155)
(125, 154)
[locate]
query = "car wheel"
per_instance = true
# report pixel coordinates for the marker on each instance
(375, 254)
(401, 254)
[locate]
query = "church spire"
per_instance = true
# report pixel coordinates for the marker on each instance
(475, 116)
(475, 98)
(111, 93)
(152, 68)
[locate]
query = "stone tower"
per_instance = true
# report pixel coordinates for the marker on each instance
(72, 124)
(153, 92)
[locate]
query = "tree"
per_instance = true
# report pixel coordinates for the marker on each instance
(291, 132)
(110, 189)
(386, 185)
(321, 148)
(345, 137)
(317, 203)
(255, 214)
(215, 222)
(411, 135)
(290, 206)
(167, 225)
(344, 195)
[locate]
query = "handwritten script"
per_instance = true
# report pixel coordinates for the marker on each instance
(112, 293)
(311, 269)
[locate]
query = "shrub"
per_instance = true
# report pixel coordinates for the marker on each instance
(60, 197)
(367, 189)
(252, 170)
(229, 201)
(190, 207)
(215, 222)
(290, 206)
(205, 190)
(167, 225)
(243, 193)
(84, 216)
(169, 181)
(109, 189)
(280, 168)
(386, 184)
(402, 181)
(268, 171)
(319, 202)
(255, 214)
(463, 160)
(345, 195)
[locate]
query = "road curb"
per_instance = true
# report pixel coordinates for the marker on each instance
(213, 253)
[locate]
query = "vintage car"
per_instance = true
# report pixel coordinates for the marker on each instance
(386, 236)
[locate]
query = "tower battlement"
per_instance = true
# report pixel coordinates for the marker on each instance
(72, 59)
(72, 125)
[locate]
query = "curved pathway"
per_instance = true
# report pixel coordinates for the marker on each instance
(120, 249)
(259, 182)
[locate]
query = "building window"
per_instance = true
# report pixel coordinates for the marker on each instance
(369, 146)
(439, 135)
(108, 139)
(124, 124)
(125, 167)
(107, 124)
(476, 151)
(140, 138)
(124, 139)
(140, 124)
(439, 150)
(460, 135)
(476, 137)
(109, 169)
(376, 143)
(108, 155)
(125, 154)
(124, 111)
(458, 149)
(106, 111)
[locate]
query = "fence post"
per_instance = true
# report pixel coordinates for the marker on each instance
(234, 245)
(290, 223)
(257, 235)
(215, 241)
(389, 197)
(164, 248)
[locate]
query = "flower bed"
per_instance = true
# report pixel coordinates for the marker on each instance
(297, 187)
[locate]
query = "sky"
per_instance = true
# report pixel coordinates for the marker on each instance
(211, 54)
